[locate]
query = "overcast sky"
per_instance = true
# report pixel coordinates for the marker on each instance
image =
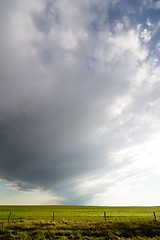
(80, 102)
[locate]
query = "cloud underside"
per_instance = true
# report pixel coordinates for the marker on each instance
(78, 95)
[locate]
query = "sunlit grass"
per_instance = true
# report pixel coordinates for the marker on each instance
(78, 213)
(79, 222)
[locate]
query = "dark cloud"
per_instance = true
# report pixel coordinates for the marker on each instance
(67, 97)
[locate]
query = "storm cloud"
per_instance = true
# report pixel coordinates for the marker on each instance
(78, 92)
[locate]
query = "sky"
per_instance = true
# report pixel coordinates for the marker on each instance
(80, 102)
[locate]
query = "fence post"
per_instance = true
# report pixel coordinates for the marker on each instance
(9, 217)
(105, 216)
(53, 215)
(154, 216)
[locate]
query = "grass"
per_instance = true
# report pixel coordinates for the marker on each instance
(79, 222)
(79, 230)
(78, 213)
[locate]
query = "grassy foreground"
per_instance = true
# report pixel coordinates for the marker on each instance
(79, 222)
(42, 230)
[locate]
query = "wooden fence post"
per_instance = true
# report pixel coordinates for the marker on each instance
(154, 216)
(105, 216)
(53, 215)
(9, 217)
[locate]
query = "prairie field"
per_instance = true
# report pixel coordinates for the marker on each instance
(79, 222)
(78, 213)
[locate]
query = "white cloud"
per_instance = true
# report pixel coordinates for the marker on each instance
(146, 35)
(153, 4)
(77, 101)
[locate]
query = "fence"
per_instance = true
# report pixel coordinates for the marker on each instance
(105, 217)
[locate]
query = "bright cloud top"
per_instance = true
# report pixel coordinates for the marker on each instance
(79, 100)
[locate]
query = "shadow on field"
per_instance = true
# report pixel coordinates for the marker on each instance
(79, 230)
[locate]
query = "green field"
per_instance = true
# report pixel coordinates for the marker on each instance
(79, 222)
(78, 213)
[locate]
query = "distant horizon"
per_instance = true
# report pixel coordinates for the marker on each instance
(76, 205)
